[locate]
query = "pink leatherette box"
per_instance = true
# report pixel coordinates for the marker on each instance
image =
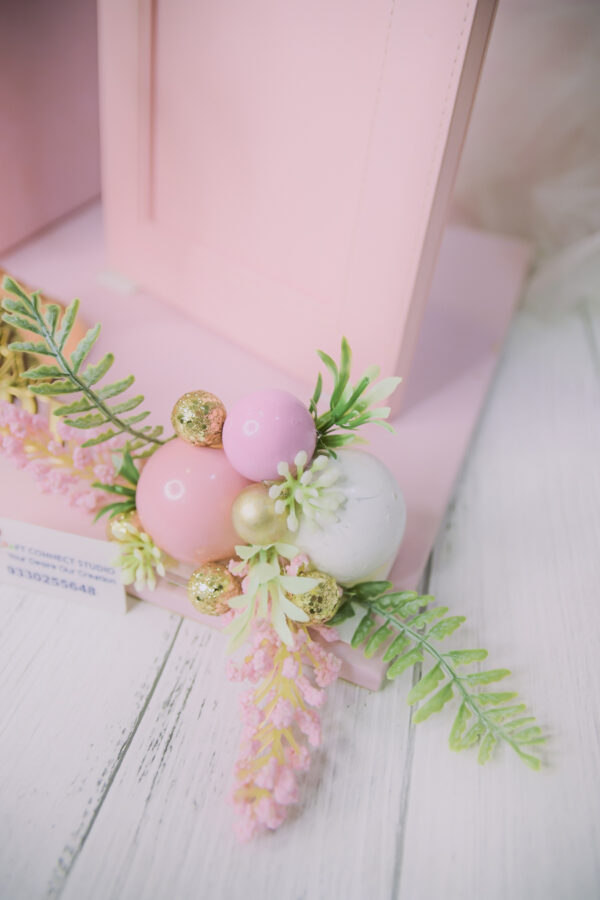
(476, 285)
(282, 171)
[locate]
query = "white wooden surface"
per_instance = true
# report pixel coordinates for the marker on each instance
(118, 735)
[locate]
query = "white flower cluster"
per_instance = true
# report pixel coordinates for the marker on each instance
(139, 560)
(308, 492)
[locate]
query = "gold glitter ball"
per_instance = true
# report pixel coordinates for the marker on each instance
(210, 587)
(323, 601)
(116, 527)
(198, 418)
(254, 517)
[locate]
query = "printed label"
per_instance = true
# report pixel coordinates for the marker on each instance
(66, 565)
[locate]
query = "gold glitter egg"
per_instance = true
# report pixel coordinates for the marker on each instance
(322, 602)
(254, 516)
(198, 418)
(116, 528)
(210, 587)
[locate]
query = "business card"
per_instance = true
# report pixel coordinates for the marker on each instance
(62, 564)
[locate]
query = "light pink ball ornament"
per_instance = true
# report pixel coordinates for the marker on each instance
(264, 429)
(184, 499)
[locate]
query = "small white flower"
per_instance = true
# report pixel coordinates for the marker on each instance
(139, 559)
(309, 492)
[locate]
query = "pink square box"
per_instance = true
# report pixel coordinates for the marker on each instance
(282, 171)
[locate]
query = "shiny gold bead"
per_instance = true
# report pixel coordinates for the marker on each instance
(323, 601)
(254, 516)
(210, 587)
(198, 418)
(116, 529)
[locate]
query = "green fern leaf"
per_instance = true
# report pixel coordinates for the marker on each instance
(447, 626)
(463, 657)
(430, 615)
(52, 313)
(363, 630)
(404, 662)
(487, 677)
(43, 372)
(116, 388)
(99, 439)
(458, 728)
(492, 720)
(55, 388)
(368, 590)
(66, 325)
(529, 735)
(132, 420)
(15, 306)
(94, 373)
(485, 748)
(376, 640)
(411, 608)
(473, 735)
(12, 287)
(518, 723)
(425, 685)
(68, 408)
(86, 422)
(345, 612)
(127, 405)
(65, 376)
(398, 646)
(29, 347)
(435, 704)
(22, 322)
(84, 346)
(494, 697)
(532, 761)
(503, 713)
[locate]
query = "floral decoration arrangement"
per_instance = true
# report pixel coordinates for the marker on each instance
(290, 528)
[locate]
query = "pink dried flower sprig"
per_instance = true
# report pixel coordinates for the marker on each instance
(58, 462)
(280, 722)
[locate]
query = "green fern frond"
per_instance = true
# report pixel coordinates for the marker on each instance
(349, 407)
(400, 624)
(75, 375)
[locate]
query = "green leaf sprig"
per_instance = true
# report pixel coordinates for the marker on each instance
(409, 628)
(70, 376)
(350, 406)
(127, 471)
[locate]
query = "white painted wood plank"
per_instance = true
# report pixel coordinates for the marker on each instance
(520, 556)
(73, 683)
(165, 828)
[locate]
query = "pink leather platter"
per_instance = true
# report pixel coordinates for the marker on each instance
(476, 285)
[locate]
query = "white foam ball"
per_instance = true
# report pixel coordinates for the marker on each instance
(363, 543)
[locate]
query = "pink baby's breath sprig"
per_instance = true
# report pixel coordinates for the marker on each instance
(280, 723)
(57, 461)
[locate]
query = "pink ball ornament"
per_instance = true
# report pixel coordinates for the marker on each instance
(184, 499)
(264, 429)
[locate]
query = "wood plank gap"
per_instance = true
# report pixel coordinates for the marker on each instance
(408, 760)
(56, 890)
